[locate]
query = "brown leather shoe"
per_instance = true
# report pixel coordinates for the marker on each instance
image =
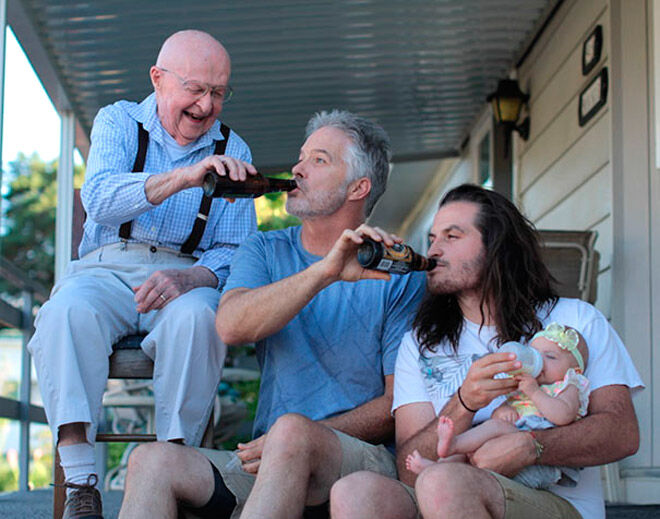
(84, 502)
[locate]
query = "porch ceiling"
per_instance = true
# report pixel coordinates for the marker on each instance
(420, 68)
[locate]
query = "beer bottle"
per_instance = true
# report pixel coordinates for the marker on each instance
(253, 186)
(397, 259)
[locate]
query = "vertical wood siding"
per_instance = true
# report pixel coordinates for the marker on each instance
(563, 172)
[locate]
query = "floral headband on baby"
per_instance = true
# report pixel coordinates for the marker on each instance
(565, 338)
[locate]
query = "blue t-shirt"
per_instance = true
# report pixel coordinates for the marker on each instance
(333, 356)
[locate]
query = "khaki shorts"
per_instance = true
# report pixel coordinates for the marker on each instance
(356, 455)
(522, 502)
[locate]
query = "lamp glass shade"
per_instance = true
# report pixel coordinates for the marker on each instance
(507, 109)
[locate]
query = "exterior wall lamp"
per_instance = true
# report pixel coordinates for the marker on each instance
(507, 102)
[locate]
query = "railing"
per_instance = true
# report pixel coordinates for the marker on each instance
(21, 319)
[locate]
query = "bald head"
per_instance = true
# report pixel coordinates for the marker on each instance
(190, 44)
(191, 67)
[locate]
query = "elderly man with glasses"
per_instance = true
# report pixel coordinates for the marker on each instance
(153, 259)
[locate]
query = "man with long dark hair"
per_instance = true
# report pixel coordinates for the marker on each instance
(491, 286)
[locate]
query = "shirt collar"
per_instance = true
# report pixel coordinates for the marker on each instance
(145, 113)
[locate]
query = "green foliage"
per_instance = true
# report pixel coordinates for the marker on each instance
(41, 472)
(9, 388)
(115, 452)
(248, 392)
(41, 457)
(29, 239)
(41, 462)
(271, 214)
(8, 476)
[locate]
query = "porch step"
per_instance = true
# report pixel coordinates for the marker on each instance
(38, 505)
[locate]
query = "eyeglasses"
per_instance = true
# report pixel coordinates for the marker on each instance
(198, 90)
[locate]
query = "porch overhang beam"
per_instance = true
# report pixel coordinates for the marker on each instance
(42, 62)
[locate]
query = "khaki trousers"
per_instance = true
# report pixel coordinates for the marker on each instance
(93, 306)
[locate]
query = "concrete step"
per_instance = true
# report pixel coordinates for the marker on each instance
(38, 505)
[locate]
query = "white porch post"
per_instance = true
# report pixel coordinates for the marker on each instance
(25, 397)
(64, 214)
(3, 35)
(632, 213)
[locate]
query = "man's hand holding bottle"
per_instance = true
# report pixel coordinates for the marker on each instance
(341, 262)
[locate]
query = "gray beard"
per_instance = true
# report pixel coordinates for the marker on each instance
(320, 203)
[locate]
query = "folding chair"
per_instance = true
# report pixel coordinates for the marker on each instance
(572, 260)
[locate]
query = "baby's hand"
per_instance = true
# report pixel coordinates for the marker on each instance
(506, 413)
(527, 384)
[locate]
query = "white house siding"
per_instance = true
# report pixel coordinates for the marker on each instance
(563, 173)
(634, 302)
(654, 224)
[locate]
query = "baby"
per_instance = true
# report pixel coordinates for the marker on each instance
(558, 396)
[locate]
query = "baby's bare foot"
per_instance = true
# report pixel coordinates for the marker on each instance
(416, 463)
(445, 436)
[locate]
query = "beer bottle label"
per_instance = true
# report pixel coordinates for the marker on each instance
(397, 259)
(395, 267)
(384, 264)
(398, 252)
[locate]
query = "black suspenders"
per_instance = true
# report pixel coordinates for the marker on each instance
(138, 165)
(204, 208)
(202, 215)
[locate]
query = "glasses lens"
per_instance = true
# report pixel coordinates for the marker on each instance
(221, 93)
(194, 88)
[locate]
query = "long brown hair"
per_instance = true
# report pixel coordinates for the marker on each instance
(515, 282)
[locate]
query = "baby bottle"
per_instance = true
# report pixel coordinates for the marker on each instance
(532, 362)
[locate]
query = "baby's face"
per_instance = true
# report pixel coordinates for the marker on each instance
(556, 361)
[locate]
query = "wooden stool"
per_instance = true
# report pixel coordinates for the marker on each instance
(127, 361)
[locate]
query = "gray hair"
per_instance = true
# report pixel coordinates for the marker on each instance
(368, 156)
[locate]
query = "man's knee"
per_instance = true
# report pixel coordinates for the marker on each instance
(347, 493)
(344, 489)
(66, 310)
(68, 316)
(367, 494)
(446, 482)
(367, 482)
(150, 459)
(293, 433)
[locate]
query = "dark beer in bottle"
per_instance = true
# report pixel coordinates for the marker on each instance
(397, 259)
(252, 187)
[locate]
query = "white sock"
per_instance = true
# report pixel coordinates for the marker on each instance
(77, 462)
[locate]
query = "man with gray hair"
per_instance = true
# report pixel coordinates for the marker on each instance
(326, 332)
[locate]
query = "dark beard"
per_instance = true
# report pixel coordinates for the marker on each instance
(469, 278)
